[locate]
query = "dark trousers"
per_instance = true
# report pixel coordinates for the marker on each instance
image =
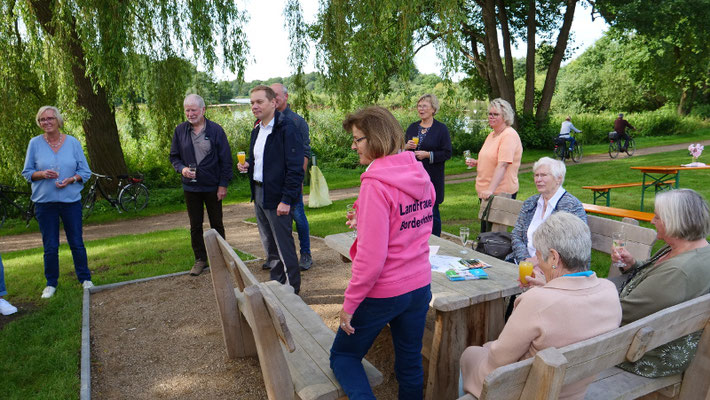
(485, 225)
(436, 226)
(196, 202)
(626, 138)
(276, 232)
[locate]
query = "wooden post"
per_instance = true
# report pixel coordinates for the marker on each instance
(546, 376)
(695, 383)
(238, 338)
(448, 343)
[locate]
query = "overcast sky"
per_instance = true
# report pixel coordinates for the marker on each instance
(270, 46)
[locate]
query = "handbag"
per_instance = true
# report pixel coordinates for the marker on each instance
(495, 244)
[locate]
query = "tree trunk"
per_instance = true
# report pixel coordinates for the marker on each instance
(493, 51)
(529, 100)
(100, 130)
(509, 70)
(554, 68)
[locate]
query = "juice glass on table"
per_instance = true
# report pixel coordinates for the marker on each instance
(242, 158)
(525, 270)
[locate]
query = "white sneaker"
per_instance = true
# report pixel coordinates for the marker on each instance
(48, 292)
(87, 285)
(7, 308)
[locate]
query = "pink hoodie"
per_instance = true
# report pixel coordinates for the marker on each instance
(394, 220)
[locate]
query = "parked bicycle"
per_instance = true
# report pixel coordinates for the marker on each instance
(8, 194)
(616, 145)
(565, 149)
(132, 193)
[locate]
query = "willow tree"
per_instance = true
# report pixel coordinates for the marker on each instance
(88, 56)
(361, 45)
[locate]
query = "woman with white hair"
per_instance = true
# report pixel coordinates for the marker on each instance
(573, 305)
(678, 272)
(499, 159)
(56, 167)
(549, 175)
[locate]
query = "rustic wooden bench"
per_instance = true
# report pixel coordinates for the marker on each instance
(543, 376)
(604, 191)
(504, 212)
(618, 212)
(267, 319)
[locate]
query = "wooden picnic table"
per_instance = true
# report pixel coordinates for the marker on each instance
(659, 174)
(466, 312)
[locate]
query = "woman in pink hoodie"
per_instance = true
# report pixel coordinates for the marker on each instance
(391, 274)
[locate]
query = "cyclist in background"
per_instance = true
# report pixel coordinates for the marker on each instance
(620, 125)
(564, 136)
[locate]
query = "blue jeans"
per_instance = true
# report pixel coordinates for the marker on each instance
(3, 291)
(48, 215)
(304, 238)
(436, 226)
(406, 315)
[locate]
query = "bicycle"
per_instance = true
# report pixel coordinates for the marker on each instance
(615, 146)
(132, 194)
(562, 151)
(26, 212)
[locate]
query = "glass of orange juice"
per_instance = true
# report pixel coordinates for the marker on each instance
(242, 158)
(416, 140)
(525, 270)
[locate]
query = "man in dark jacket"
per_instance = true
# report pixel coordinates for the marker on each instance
(200, 153)
(620, 125)
(275, 167)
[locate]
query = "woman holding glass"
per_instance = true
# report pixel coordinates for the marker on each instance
(676, 273)
(430, 141)
(391, 274)
(499, 159)
(56, 167)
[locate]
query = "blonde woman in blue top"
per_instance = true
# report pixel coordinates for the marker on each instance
(56, 167)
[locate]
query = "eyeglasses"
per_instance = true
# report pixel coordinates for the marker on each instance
(492, 114)
(541, 175)
(358, 140)
(48, 119)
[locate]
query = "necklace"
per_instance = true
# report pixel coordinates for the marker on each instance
(54, 146)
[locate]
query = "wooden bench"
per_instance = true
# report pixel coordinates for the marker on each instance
(504, 212)
(543, 376)
(269, 320)
(604, 191)
(618, 212)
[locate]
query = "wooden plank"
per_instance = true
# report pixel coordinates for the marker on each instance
(617, 384)
(248, 278)
(504, 211)
(639, 241)
(604, 188)
(695, 381)
(279, 320)
(617, 212)
(448, 343)
(639, 345)
(544, 382)
(238, 337)
(277, 377)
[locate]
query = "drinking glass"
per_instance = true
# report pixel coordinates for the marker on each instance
(416, 140)
(467, 155)
(350, 213)
(242, 158)
(193, 168)
(463, 234)
(55, 168)
(618, 241)
(525, 269)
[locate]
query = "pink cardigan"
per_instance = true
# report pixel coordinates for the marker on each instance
(564, 311)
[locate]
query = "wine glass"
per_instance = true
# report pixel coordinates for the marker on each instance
(463, 234)
(55, 168)
(193, 168)
(466, 156)
(618, 241)
(350, 213)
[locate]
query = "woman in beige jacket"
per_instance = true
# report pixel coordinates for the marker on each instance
(571, 305)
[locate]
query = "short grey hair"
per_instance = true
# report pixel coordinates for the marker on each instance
(557, 167)
(431, 98)
(685, 214)
(57, 114)
(194, 98)
(506, 110)
(567, 234)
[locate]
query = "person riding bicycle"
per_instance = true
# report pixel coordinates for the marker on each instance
(565, 137)
(620, 125)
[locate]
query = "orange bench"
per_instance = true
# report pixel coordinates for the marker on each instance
(618, 212)
(604, 191)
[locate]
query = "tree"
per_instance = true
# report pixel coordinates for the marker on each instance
(361, 44)
(99, 53)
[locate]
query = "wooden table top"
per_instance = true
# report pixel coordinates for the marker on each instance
(666, 168)
(449, 295)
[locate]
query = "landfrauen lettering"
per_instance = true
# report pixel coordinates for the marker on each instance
(416, 206)
(416, 223)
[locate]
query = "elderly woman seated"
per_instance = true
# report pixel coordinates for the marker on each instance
(549, 175)
(678, 272)
(572, 305)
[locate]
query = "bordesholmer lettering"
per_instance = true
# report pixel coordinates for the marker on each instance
(416, 206)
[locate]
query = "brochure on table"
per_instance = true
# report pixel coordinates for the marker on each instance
(456, 268)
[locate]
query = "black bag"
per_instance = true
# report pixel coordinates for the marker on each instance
(495, 244)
